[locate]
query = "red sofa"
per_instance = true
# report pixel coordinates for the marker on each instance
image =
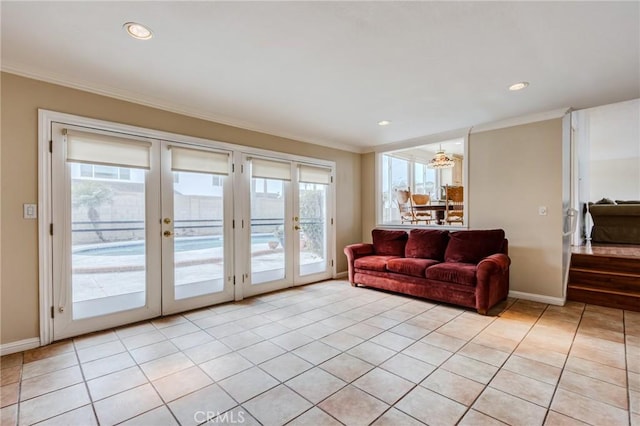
(466, 268)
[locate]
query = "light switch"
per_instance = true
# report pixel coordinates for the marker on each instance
(30, 211)
(542, 210)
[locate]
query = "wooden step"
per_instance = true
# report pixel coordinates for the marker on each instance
(604, 279)
(628, 265)
(604, 297)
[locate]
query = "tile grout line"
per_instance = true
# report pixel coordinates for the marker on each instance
(388, 302)
(374, 366)
(564, 364)
(436, 366)
(512, 353)
(597, 362)
(485, 386)
(84, 381)
(315, 405)
(562, 370)
(345, 352)
(119, 338)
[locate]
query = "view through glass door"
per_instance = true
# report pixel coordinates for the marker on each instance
(288, 229)
(122, 255)
(313, 221)
(106, 239)
(143, 227)
(197, 238)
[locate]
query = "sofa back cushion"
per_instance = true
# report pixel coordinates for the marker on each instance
(427, 244)
(389, 243)
(473, 246)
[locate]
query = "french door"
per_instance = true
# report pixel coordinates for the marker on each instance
(197, 241)
(286, 229)
(140, 228)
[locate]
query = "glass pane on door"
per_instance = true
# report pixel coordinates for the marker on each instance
(313, 224)
(267, 230)
(198, 203)
(108, 247)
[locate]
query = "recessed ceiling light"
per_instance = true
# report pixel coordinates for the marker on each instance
(518, 86)
(384, 123)
(138, 31)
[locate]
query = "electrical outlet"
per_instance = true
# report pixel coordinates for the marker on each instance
(542, 210)
(30, 211)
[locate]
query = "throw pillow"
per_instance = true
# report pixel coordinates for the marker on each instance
(473, 246)
(605, 201)
(389, 243)
(427, 244)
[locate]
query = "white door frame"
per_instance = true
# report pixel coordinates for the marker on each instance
(292, 276)
(329, 229)
(64, 310)
(170, 304)
(45, 246)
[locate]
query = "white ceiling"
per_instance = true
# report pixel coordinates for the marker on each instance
(327, 72)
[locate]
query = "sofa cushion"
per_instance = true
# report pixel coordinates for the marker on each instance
(453, 272)
(427, 244)
(627, 201)
(410, 266)
(373, 263)
(473, 246)
(389, 243)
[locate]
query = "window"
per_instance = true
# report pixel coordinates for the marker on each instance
(267, 188)
(410, 169)
(94, 171)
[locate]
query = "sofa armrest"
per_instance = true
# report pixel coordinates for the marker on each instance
(492, 276)
(496, 263)
(355, 251)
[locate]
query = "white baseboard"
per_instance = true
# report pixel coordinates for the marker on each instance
(341, 275)
(559, 301)
(19, 346)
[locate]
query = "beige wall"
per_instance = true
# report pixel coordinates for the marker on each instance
(512, 171)
(368, 195)
(21, 98)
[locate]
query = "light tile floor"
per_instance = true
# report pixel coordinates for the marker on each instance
(330, 354)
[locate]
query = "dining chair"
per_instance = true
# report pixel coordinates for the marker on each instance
(454, 202)
(419, 213)
(405, 205)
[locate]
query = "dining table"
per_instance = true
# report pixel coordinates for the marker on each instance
(438, 206)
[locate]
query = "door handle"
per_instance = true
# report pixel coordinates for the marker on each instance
(167, 220)
(167, 233)
(297, 228)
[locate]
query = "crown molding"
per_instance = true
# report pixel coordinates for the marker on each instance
(518, 121)
(421, 140)
(464, 132)
(151, 102)
(136, 98)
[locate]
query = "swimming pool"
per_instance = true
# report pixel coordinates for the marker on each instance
(136, 248)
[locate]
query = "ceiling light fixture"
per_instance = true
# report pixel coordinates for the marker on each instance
(137, 31)
(441, 160)
(518, 86)
(384, 123)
